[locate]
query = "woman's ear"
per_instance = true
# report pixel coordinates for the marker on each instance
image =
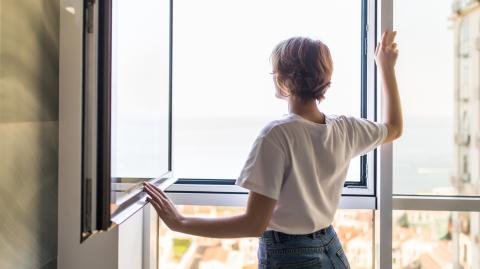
(281, 91)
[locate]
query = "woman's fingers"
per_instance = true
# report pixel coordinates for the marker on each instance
(149, 190)
(155, 196)
(155, 205)
(393, 46)
(392, 37)
(388, 38)
(153, 202)
(158, 195)
(162, 195)
(384, 38)
(160, 198)
(156, 191)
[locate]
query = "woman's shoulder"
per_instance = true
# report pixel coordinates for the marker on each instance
(275, 130)
(339, 117)
(350, 119)
(273, 126)
(344, 120)
(289, 122)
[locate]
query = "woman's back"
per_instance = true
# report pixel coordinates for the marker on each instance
(303, 165)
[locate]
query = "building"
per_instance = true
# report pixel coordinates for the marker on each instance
(466, 171)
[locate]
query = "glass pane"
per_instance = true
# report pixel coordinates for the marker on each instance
(435, 239)
(438, 79)
(223, 90)
(140, 92)
(183, 251)
(140, 88)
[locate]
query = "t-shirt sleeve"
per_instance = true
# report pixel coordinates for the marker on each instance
(365, 135)
(263, 171)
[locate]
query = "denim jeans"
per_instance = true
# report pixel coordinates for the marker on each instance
(320, 249)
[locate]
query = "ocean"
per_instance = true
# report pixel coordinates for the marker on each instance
(218, 147)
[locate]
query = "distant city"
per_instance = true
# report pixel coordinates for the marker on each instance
(421, 240)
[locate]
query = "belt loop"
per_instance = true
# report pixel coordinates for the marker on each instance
(314, 235)
(275, 236)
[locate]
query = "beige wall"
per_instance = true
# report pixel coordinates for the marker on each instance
(29, 31)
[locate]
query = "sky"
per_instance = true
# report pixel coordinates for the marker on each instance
(425, 64)
(222, 48)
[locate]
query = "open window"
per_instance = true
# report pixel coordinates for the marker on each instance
(176, 91)
(127, 107)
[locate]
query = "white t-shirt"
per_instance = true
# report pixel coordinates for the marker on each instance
(303, 165)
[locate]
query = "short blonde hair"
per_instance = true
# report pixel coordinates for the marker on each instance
(302, 66)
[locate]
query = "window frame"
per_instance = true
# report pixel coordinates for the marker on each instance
(96, 180)
(352, 190)
(387, 201)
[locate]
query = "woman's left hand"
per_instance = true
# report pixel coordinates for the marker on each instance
(165, 208)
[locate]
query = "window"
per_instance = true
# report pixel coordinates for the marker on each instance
(126, 107)
(129, 90)
(223, 92)
(435, 164)
(140, 89)
(441, 128)
(140, 96)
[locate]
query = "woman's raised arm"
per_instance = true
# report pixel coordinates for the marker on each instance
(386, 55)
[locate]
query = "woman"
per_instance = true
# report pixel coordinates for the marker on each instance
(297, 166)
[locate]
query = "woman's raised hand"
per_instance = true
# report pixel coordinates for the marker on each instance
(386, 55)
(386, 52)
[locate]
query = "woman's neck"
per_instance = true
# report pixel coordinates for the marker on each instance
(307, 110)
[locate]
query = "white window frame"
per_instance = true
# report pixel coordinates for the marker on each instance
(362, 197)
(386, 200)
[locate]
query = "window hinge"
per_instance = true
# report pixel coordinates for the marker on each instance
(90, 15)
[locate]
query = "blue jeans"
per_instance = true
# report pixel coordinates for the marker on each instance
(320, 249)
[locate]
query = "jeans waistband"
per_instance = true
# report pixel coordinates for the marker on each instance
(320, 233)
